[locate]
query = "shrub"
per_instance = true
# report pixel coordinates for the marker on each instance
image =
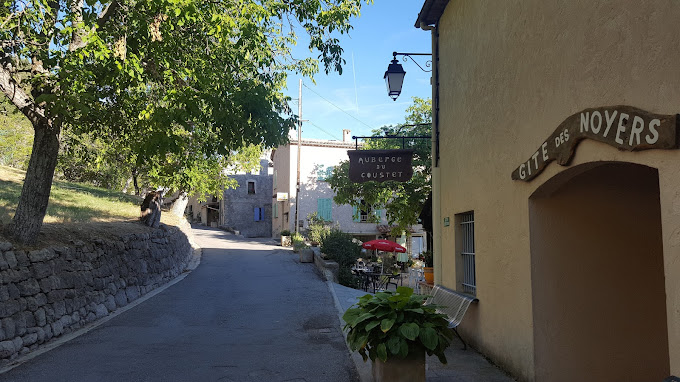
(340, 247)
(428, 258)
(298, 242)
(318, 228)
(285, 232)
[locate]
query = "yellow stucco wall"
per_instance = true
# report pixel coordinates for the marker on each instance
(510, 72)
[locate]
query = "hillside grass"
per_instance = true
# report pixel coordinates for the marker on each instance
(75, 211)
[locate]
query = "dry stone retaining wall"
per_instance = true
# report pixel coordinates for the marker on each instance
(50, 292)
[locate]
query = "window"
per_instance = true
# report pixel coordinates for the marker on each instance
(363, 212)
(466, 240)
(258, 214)
(251, 187)
(324, 207)
(324, 172)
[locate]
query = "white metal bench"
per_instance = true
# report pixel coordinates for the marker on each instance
(453, 304)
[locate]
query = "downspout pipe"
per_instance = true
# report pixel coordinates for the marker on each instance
(436, 178)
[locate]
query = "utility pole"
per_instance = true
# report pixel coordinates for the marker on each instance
(297, 188)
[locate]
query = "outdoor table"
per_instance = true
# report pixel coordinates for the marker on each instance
(379, 281)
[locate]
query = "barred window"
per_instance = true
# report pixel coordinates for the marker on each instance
(467, 254)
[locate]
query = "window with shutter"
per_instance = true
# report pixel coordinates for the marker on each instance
(324, 208)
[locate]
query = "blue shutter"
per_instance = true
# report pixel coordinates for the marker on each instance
(355, 214)
(378, 214)
(329, 210)
(319, 207)
(256, 213)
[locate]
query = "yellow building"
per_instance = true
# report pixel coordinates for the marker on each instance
(557, 182)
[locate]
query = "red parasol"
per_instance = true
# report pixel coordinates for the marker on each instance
(384, 245)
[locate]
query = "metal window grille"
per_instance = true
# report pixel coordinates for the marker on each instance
(467, 224)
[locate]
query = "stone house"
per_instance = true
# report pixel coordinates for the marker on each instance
(317, 159)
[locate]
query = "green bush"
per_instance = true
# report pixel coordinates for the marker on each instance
(298, 242)
(340, 247)
(285, 232)
(318, 228)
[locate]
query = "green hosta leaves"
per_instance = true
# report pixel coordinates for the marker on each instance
(410, 331)
(429, 338)
(392, 324)
(386, 325)
(381, 350)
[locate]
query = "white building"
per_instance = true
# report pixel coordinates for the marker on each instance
(317, 159)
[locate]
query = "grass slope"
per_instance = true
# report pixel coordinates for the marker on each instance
(75, 211)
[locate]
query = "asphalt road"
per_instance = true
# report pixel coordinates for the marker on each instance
(249, 312)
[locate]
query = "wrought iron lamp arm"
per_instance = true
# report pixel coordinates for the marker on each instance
(428, 63)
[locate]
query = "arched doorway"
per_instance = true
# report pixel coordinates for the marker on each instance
(599, 303)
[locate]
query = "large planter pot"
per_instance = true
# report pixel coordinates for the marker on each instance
(285, 241)
(307, 255)
(410, 369)
(428, 273)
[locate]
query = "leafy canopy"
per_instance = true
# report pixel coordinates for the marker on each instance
(178, 86)
(403, 201)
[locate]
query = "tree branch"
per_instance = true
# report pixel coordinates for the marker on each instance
(19, 97)
(105, 15)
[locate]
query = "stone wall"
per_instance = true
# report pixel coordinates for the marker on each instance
(49, 292)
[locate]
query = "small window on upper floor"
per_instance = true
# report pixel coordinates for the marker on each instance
(251, 187)
(324, 173)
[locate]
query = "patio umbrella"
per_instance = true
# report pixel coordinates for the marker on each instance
(384, 245)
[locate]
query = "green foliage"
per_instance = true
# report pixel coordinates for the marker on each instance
(341, 248)
(318, 228)
(396, 324)
(69, 202)
(16, 136)
(285, 232)
(298, 242)
(428, 258)
(403, 201)
(174, 88)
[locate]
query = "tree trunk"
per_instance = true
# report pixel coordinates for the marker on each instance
(134, 181)
(35, 193)
(180, 204)
(127, 185)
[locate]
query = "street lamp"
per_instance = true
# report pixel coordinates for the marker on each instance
(394, 78)
(394, 75)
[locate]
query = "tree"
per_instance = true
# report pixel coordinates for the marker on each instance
(151, 75)
(402, 201)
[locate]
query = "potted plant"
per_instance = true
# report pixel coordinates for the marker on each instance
(285, 238)
(395, 330)
(428, 270)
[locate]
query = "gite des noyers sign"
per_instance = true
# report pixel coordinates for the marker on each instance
(624, 127)
(380, 165)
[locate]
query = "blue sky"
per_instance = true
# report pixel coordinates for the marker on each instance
(339, 102)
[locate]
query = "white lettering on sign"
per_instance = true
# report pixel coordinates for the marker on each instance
(652, 128)
(624, 127)
(364, 160)
(382, 175)
(593, 123)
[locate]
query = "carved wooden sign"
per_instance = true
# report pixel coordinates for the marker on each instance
(624, 127)
(380, 165)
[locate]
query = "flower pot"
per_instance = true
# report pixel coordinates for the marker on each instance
(285, 241)
(410, 369)
(306, 255)
(428, 273)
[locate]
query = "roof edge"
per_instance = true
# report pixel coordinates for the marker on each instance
(431, 11)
